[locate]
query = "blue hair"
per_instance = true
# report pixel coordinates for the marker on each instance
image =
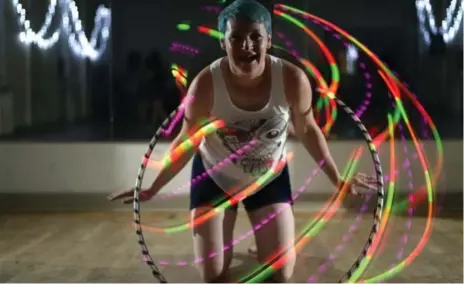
(245, 10)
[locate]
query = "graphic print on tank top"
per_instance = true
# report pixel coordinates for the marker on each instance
(269, 134)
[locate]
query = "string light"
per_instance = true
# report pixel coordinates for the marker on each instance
(77, 40)
(449, 26)
(70, 27)
(28, 36)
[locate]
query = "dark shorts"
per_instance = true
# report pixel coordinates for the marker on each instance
(207, 193)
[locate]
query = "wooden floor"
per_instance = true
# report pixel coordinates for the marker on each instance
(101, 247)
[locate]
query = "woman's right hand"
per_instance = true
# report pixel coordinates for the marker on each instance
(128, 195)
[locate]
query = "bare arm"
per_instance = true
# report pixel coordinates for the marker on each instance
(291, 128)
(196, 110)
(299, 96)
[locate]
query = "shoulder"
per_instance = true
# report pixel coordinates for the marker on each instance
(203, 80)
(296, 81)
(200, 91)
(292, 73)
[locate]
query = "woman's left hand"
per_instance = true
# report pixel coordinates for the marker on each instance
(361, 180)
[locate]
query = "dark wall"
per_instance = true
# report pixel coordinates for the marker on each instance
(389, 28)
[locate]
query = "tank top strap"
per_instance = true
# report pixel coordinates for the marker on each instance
(277, 90)
(219, 85)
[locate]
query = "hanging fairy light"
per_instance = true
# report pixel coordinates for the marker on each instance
(28, 36)
(450, 25)
(70, 27)
(77, 39)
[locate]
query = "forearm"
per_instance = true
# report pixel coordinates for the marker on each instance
(315, 143)
(291, 130)
(167, 173)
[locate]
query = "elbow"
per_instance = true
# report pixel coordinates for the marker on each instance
(308, 132)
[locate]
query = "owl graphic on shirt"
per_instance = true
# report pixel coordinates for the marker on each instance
(268, 133)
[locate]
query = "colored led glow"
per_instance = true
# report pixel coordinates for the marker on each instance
(429, 181)
(271, 216)
(178, 116)
(373, 146)
(307, 233)
(409, 206)
(323, 86)
(226, 202)
(183, 27)
(179, 47)
(191, 142)
(334, 69)
(385, 72)
(219, 166)
(358, 218)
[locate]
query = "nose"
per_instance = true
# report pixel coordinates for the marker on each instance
(247, 44)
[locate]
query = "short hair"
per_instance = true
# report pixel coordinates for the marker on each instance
(245, 10)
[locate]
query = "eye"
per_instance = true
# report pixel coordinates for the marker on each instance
(235, 37)
(256, 37)
(270, 134)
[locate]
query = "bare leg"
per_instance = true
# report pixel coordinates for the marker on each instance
(276, 236)
(209, 240)
(253, 250)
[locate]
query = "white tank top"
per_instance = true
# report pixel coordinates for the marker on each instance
(266, 128)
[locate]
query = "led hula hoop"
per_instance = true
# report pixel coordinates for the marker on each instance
(380, 190)
(261, 272)
(210, 128)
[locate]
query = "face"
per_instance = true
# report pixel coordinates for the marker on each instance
(246, 44)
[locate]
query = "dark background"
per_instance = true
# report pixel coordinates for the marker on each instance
(59, 97)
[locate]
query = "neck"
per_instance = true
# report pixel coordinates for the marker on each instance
(247, 81)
